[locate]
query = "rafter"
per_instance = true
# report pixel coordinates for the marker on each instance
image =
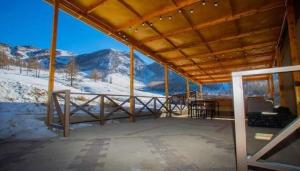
(233, 67)
(187, 18)
(237, 36)
(156, 30)
(252, 78)
(162, 11)
(221, 20)
(226, 76)
(249, 47)
(262, 55)
(95, 6)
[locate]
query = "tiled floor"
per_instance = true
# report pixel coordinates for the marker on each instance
(152, 144)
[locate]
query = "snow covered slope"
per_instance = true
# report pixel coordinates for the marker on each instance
(22, 98)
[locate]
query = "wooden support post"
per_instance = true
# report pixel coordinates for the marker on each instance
(132, 100)
(154, 106)
(280, 78)
(293, 48)
(102, 121)
(200, 91)
(52, 60)
(166, 76)
(187, 89)
(67, 114)
(271, 87)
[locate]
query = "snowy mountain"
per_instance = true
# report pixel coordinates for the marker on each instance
(110, 62)
(27, 53)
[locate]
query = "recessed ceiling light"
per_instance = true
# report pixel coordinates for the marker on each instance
(170, 17)
(143, 24)
(179, 11)
(216, 4)
(203, 2)
(160, 18)
(191, 11)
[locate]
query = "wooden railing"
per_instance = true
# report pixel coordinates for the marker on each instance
(70, 108)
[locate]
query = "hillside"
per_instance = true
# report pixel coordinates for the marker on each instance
(109, 62)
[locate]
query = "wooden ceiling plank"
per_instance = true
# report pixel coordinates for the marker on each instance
(154, 29)
(95, 6)
(236, 66)
(157, 13)
(263, 55)
(198, 33)
(223, 39)
(221, 20)
(236, 23)
(249, 47)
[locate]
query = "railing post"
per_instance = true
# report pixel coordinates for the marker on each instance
(67, 114)
(102, 122)
(154, 106)
(132, 108)
(49, 118)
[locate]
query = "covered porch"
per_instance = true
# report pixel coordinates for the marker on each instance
(205, 42)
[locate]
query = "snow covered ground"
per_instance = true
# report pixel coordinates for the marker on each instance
(22, 98)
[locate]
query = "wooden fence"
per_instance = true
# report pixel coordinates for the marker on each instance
(70, 108)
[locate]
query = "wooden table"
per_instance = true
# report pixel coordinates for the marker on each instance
(203, 107)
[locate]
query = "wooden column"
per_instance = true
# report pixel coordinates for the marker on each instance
(187, 89)
(271, 87)
(280, 78)
(200, 91)
(166, 76)
(52, 60)
(293, 48)
(132, 105)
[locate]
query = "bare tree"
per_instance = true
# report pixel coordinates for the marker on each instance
(4, 60)
(96, 75)
(72, 71)
(19, 63)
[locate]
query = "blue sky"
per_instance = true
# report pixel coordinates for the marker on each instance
(28, 22)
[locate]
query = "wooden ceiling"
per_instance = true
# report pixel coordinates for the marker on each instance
(202, 40)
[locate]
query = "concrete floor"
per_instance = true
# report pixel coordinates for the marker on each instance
(151, 144)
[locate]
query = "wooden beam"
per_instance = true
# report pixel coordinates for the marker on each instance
(293, 48)
(229, 18)
(162, 11)
(229, 79)
(232, 37)
(132, 100)
(280, 78)
(249, 47)
(236, 66)
(187, 18)
(220, 72)
(52, 59)
(129, 7)
(200, 91)
(187, 84)
(95, 6)
(166, 78)
(211, 62)
(271, 86)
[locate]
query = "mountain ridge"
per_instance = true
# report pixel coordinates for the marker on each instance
(108, 61)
